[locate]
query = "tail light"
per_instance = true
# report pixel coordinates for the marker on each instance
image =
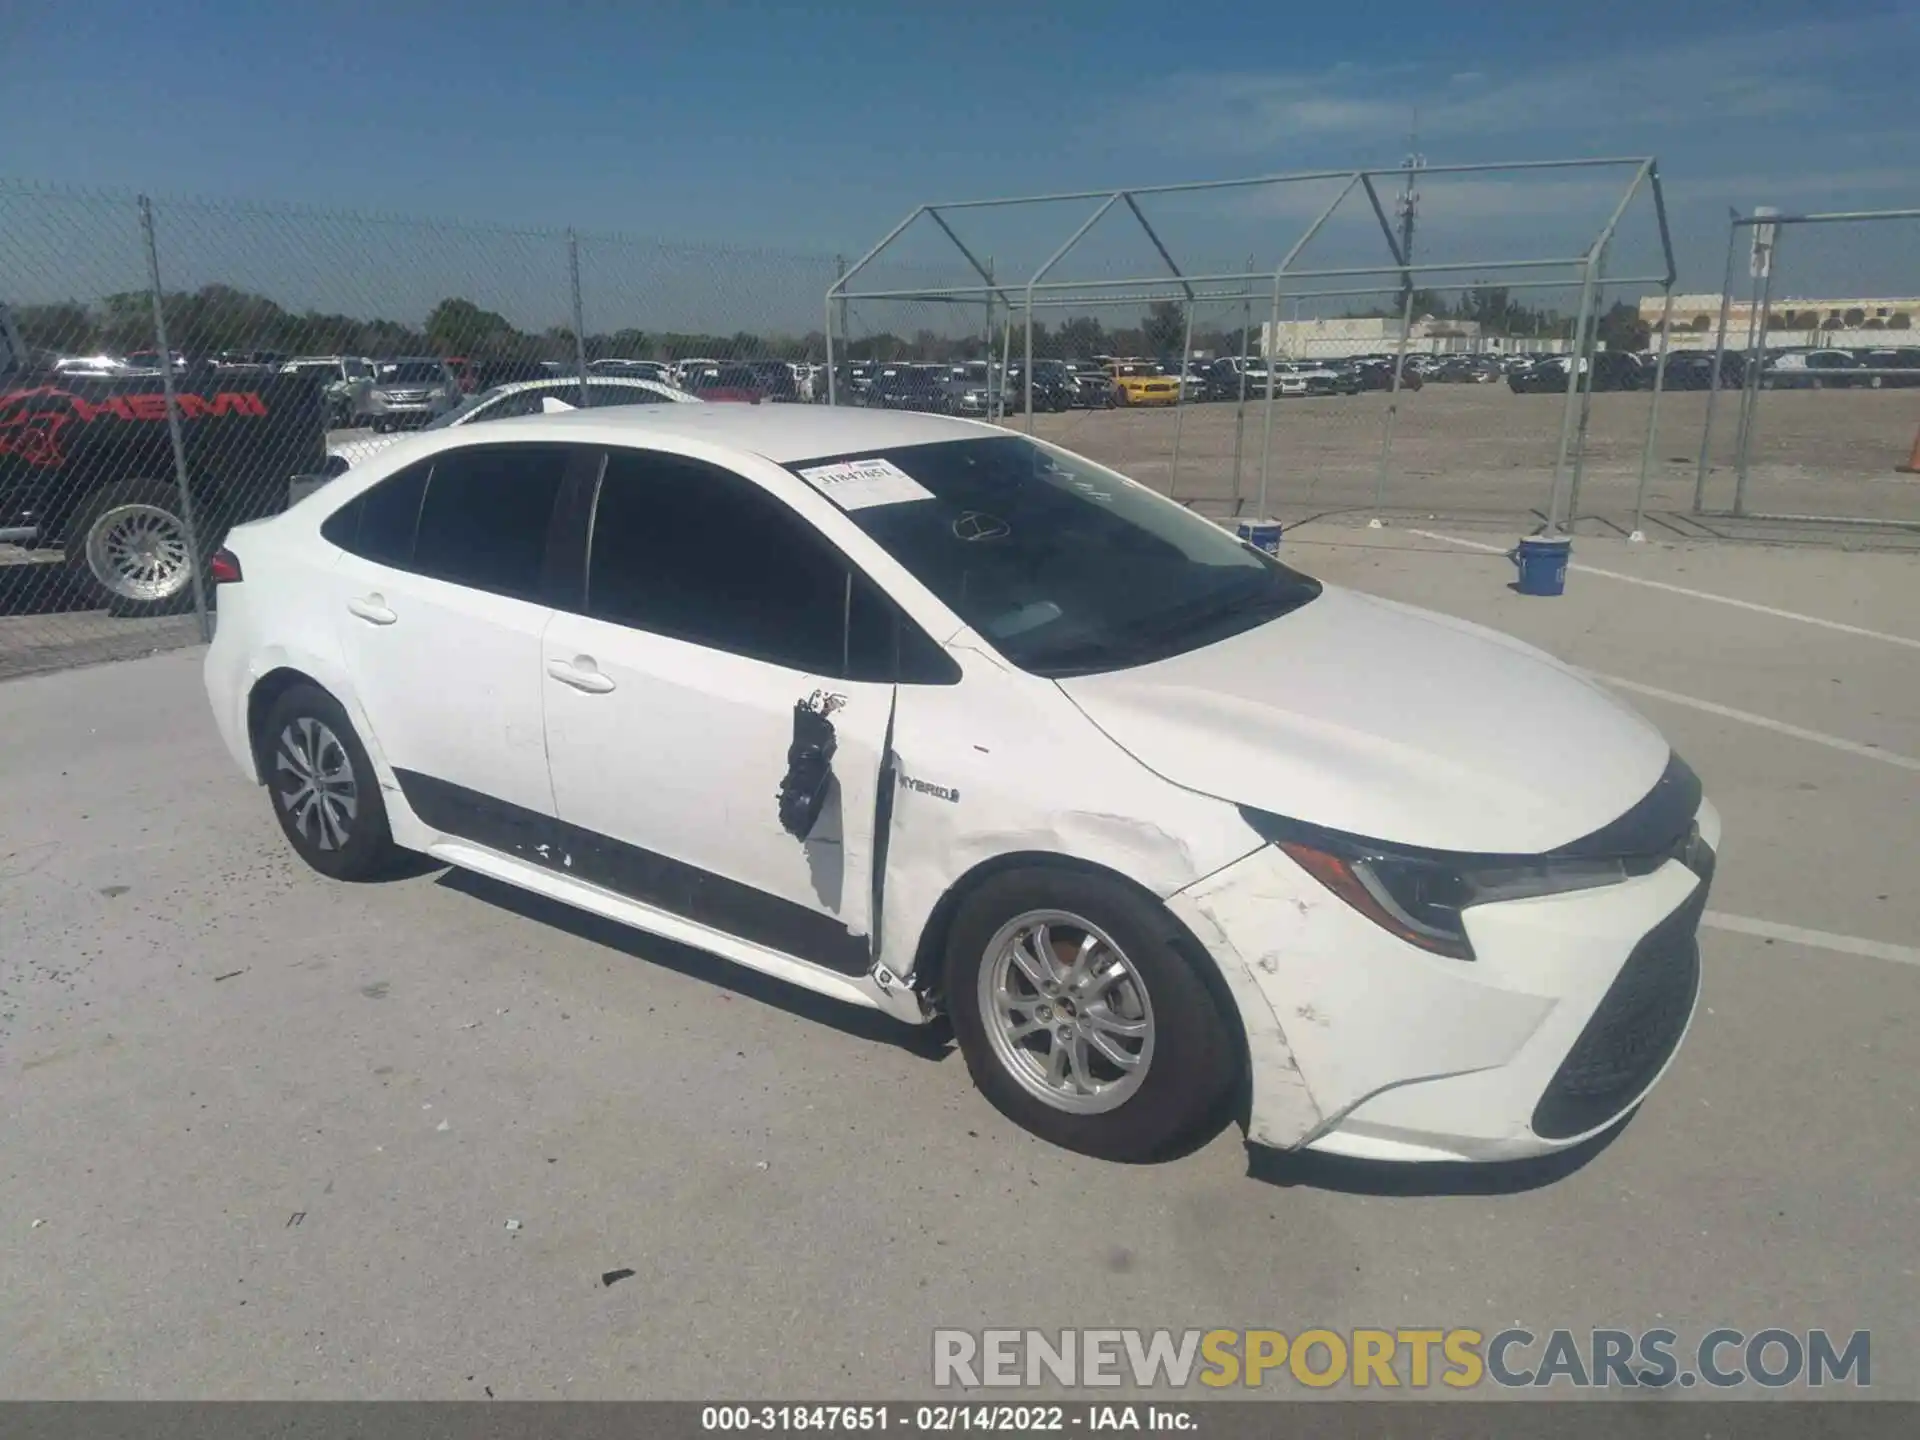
(224, 567)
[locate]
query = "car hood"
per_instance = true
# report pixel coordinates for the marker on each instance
(1379, 719)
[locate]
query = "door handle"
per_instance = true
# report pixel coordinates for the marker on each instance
(581, 674)
(373, 609)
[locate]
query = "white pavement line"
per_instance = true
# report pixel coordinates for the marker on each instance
(1778, 614)
(1746, 717)
(1813, 939)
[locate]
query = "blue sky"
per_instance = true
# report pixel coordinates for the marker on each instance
(811, 128)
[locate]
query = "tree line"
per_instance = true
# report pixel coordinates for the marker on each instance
(221, 317)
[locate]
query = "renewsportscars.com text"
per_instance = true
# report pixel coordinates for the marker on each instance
(1417, 1359)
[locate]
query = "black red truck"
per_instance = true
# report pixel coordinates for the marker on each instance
(86, 464)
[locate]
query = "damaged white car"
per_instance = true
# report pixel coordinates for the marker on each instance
(939, 719)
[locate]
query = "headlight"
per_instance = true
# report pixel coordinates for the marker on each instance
(1421, 897)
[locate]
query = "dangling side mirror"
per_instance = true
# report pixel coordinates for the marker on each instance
(809, 777)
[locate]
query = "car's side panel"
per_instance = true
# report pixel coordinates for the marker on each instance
(568, 889)
(278, 621)
(451, 683)
(681, 758)
(1003, 764)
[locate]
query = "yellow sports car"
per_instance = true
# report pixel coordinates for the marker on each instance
(1141, 382)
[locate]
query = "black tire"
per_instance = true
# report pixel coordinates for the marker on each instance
(84, 528)
(306, 722)
(1195, 1060)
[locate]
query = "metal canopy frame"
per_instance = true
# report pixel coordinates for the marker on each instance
(1041, 292)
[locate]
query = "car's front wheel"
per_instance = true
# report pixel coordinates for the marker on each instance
(1080, 1018)
(325, 794)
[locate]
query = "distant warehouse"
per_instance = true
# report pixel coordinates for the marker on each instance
(1791, 320)
(1337, 336)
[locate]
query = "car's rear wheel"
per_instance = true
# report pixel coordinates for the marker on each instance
(1081, 1019)
(325, 794)
(126, 548)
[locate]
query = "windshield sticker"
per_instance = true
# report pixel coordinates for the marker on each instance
(860, 484)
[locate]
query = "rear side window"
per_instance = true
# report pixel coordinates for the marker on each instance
(485, 519)
(378, 524)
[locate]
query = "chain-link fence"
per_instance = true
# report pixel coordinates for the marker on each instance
(1816, 420)
(173, 368)
(1338, 370)
(168, 370)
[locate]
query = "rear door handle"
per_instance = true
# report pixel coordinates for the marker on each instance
(373, 609)
(581, 674)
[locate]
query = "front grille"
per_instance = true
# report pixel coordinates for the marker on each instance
(1631, 1034)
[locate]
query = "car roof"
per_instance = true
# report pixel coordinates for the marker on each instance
(780, 433)
(554, 382)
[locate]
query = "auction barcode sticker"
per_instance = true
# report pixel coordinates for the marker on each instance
(858, 484)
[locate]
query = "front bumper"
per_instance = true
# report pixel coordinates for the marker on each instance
(1368, 1047)
(428, 408)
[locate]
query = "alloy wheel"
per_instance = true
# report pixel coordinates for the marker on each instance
(316, 785)
(1065, 1011)
(139, 552)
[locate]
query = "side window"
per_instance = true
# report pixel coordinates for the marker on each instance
(686, 549)
(622, 395)
(379, 524)
(689, 550)
(485, 519)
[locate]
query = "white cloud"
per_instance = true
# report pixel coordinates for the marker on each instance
(1713, 82)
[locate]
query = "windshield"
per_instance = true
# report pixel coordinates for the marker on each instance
(412, 372)
(1066, 567)
(905, 380)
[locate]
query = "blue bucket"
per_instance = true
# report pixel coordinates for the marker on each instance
(1542, 562)
(1261, 534)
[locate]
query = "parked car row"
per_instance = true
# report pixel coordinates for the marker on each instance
(1893, 367)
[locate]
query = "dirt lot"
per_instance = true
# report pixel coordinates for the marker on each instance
(1481, 453)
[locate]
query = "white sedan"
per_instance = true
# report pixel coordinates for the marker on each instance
(937, 719)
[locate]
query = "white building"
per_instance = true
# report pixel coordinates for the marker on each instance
(1860, 321)
(1338, 336)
